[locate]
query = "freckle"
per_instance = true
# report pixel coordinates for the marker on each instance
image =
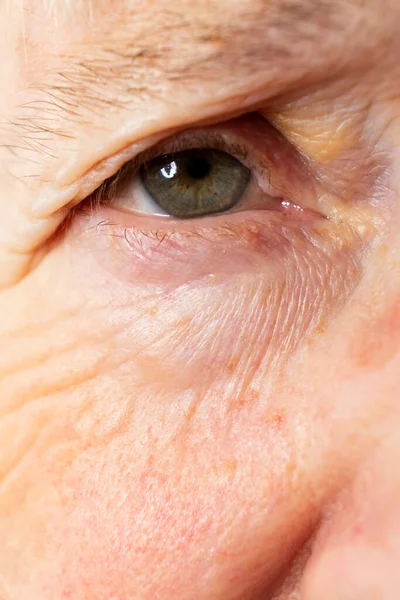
(379, 340)
(154, 310)
(232, 364)
(231, 467)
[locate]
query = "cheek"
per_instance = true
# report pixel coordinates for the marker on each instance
(159, 424)
(356, 552)
(110, 484)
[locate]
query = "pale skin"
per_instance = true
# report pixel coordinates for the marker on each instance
(204, 408)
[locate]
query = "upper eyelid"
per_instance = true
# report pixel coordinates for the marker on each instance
(68, 195)
(188, 139)
(185, 141)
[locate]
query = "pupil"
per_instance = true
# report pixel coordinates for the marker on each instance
(198, 167)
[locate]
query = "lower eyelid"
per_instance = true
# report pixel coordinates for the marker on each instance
(141, 248)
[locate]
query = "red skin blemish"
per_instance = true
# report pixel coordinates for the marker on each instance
(279, 422)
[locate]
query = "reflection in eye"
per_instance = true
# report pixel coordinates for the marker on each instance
(195, 182)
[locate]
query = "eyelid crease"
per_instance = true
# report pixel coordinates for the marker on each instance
(55, 199)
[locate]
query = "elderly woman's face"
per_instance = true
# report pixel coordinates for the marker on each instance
(200, 300)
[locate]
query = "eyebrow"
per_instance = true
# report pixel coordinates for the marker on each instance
(130, 56)
(268, 39)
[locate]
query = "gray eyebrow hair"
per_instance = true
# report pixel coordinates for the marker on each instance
(273, 36)
(271, 40)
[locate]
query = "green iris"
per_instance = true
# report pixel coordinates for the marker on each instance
(193, 183)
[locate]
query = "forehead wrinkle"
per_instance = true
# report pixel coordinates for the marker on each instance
(186, 47)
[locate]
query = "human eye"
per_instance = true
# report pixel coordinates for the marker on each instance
(206, 171)
(221, 200)
(190, 183)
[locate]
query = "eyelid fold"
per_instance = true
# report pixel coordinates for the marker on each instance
(56, 197)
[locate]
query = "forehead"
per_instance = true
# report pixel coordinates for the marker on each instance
(283, 23)
(180, 34)
(163, 15)
(216, 11)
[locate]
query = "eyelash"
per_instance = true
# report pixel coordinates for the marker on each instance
(106, 192)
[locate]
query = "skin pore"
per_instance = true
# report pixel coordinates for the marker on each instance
(200, 408)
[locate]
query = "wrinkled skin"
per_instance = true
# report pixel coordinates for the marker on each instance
(206, 409)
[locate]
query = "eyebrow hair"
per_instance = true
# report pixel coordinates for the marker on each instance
(267, 38)
(131, 56)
